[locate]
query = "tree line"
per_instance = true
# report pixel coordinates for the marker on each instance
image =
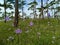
(19, 5)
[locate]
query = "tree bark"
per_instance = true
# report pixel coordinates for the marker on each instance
(47, 10)
(16, 14)
(34, 10)
(42, 9)
(54, 10)
(5, 10)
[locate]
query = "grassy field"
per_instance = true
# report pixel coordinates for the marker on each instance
(43, 32)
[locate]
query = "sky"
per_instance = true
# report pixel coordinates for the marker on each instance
(30, 11)
(27, 6)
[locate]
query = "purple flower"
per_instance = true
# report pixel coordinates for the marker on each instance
(18, 31)
(48, 14)
(7, 18)
(31, 23)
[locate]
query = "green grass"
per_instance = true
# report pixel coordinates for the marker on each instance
(41, 33)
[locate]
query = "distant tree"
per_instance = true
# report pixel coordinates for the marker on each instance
(57, 8)
(18, 4)
(0, 10)
(15, 2)
(42, 8)
(33, 7)
(16, 13)
(6, 5)
(21, 6)
(12, 12)
(47, 7)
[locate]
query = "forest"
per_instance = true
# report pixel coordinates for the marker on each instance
(29, 22)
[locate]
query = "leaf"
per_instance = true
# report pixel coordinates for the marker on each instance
(33, 3)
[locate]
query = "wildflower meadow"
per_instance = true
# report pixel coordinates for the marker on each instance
(30, 32)
(29, 22)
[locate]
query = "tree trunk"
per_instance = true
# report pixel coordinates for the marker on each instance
(22, 8)
(39, 15)
(34, 9)
(16, 14)
(34, 13)
(5, 10)
(42, 9)
(54, 10)
(47, 10)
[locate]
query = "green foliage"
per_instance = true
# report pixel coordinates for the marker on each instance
(21, 4)
(32, 4)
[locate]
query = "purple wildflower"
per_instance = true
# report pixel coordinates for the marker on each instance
(48, 14)
(7, 18)
(18, 31)
(31, 23)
